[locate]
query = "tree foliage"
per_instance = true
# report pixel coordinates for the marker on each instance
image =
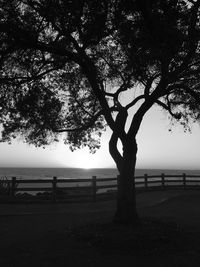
(43, 91)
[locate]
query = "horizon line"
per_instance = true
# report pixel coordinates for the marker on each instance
(111, 167)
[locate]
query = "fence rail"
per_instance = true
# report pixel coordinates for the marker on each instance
(90, 189)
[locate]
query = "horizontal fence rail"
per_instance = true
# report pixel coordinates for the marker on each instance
(90, 189)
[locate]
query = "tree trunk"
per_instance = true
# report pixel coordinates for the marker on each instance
(126, 212)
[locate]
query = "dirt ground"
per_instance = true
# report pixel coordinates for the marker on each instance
(38, 234)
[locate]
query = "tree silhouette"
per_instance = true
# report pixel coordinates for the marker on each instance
(65, 65)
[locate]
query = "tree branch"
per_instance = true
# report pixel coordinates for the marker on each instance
(148, 103)
(90, 71)
(168, 108)
(26, 40)
(191, 92)
(82, 127)
(112, 67)
(134, 101)
(24, 79)
(149, 84)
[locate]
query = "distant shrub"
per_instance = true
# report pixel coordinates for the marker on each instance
(5, 186)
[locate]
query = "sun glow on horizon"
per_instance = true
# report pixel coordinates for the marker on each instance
(83, 159)
(88, 161)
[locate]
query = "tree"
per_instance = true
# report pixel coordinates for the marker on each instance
(65, 66)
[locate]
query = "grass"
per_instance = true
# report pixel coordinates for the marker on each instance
(150, 236)
(160, 240)
(153, 243)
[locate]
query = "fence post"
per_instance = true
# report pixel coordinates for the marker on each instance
(184, 180)
(54, 187)
(94, 187)
(163, 180)
(146, 181)
(13, 185)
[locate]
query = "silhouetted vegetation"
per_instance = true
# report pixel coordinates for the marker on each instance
(65, 66)
(6, 186)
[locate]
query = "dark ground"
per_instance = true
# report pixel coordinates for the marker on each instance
(81, 234)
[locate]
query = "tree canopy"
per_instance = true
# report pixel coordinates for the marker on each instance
(43, 88)
(50, 51)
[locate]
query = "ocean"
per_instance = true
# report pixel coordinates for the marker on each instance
(46, 173)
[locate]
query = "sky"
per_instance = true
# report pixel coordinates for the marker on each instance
(157, 148)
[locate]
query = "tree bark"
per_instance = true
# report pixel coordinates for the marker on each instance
(126, 212)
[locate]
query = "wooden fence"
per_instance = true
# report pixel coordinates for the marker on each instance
(90, 189)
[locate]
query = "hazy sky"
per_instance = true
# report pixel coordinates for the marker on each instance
(157, 148)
